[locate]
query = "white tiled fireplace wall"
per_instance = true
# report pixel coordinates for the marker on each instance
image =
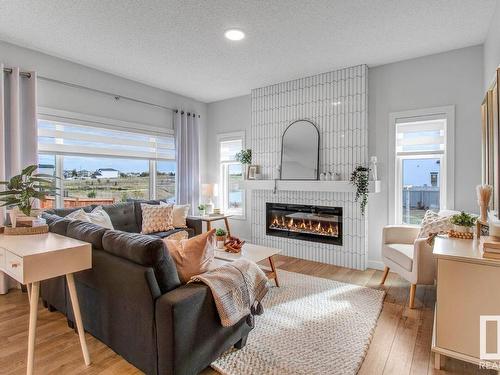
(337, 102)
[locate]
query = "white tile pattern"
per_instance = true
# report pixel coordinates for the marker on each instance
(337, 102)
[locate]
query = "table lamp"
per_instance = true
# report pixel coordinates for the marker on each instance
(208, 191)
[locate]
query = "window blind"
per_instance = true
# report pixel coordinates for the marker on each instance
(229, 149)
(63, 138)
(422, 136)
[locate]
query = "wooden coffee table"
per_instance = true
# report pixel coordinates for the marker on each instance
(255, 253)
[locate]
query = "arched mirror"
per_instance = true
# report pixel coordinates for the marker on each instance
(300, 151)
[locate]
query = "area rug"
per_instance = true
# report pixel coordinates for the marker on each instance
(310, 326)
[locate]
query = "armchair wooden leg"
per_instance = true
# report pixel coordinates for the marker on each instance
(384, 276)
(413, 288)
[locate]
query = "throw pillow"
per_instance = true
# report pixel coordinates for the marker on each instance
(179, 214)
(434, 223)
(156, 218)
(78, 215)
(180, 235)
(192, 256)
(100, 217)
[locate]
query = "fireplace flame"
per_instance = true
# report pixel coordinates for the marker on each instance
(311, 227)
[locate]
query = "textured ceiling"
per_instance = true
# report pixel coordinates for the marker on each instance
(179, 45)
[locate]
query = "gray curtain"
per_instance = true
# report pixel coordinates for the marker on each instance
(18, 133)
(188, 159)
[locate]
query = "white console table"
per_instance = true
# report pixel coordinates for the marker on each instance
(467, 287)
(34, 258)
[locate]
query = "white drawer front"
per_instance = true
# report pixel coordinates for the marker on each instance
(2, 258)
(14, 266)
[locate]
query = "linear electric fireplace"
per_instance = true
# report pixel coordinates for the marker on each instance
(302, 222)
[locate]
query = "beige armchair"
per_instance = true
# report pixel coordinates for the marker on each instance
(408, 256)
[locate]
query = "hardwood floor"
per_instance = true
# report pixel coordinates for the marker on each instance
(400, 345)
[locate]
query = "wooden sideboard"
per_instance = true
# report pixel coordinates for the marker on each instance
(468, 286)
(30, 259)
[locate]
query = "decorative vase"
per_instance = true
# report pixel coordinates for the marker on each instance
(220, 241)
(201, 212)
(483, 212)
(373, 168)
(13, 214)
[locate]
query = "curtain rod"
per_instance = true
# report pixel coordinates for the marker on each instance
(74, 85)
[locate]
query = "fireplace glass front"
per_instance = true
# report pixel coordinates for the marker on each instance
(304, 222)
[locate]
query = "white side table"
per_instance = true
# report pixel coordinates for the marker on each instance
(34, 258)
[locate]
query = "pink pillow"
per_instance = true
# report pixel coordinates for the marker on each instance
(192, 256)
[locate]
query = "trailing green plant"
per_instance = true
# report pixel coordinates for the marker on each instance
(463, 219)
(220, 232)
(201, 207)
(92, 194)
(244, 156)
(359, 178)
(23, 189)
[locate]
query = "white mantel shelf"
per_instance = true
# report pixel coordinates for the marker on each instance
(325, 186)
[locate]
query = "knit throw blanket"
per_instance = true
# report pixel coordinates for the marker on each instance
(237, 287)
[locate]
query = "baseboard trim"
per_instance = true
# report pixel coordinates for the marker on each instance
(376, 264)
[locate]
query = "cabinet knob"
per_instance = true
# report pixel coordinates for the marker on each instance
(15, 264)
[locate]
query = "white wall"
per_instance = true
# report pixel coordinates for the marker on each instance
(451, 78)
(454, 77)
(492, 48)
(83, 101)
(228, 116)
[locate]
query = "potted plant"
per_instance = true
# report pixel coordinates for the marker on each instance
(22, 190)
(463, 222)
(201, 209)
(220, 237)
(360, 179)
(245, 158)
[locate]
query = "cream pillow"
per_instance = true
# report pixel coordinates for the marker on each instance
(434, 223)
(180, 214)
(192, 256)
(100, 217)
(78, 215)
(156, 218)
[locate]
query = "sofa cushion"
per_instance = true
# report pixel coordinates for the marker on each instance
(123, 216)
(170, 232)
(87, 232)
(401, 254)
(147, 251)
(66, 211)
(56, 223)
(60, 226)
(50, 218)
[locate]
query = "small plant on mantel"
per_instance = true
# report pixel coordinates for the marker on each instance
(359, 178)
(244, 156)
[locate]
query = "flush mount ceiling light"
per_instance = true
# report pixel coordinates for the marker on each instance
(234, 34)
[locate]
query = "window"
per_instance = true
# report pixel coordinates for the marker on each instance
(421, 166)
(231, 193)
(102, 165)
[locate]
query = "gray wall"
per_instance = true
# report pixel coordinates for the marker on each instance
(454, 77)
(492, 48)
(82, 101)
(228, 116)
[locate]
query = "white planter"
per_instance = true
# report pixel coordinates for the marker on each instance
(463, 229)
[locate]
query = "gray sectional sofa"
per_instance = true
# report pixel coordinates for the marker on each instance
(132, 299)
